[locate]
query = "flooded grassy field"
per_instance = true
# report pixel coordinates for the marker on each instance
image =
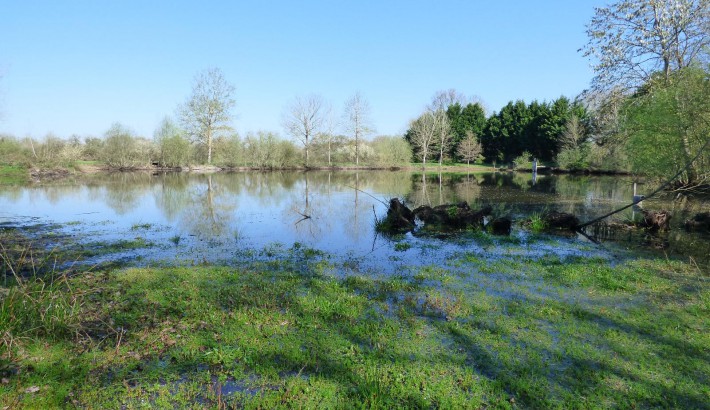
(271, 290)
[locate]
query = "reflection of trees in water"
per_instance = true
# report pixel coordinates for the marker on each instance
(309, 213)
(585, 195)
(512, 180)
(341, 197)
(268, 188)
(12, 193)
(209, 208)
(124, 188)
(360, 216)
(439, 189)
(172, 194)
(54, 193)
(201, 204)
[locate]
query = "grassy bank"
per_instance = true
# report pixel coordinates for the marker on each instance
(13, 175)
(293, 330)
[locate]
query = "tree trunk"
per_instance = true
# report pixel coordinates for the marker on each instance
(209, 147)
(357, 148)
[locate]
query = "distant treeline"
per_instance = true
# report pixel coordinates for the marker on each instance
(121, 148)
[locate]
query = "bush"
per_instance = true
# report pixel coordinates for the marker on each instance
(12, 152)
(391, 151)
(123, 150)
(524, 161)
(227, 151)
(574, 159)
(172, 147)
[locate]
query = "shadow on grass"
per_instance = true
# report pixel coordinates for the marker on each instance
(288, 333)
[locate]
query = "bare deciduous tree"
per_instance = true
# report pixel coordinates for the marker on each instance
(304, 118)
(423, 133)
(470, 148)
(443, 132)
(207, 113)
(632, 39)
(357, 121)
(445, 98)
(573, 134)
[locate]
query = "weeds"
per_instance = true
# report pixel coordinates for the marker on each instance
(536, 223)
(144, 226)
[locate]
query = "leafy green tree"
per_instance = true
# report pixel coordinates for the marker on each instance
(469, 118)
(505, 136)
(667, 123)
(262, 149)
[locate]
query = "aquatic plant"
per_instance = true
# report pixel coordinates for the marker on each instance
(175, 239)
(536, 222)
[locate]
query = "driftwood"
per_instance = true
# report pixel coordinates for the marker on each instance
(700, 222)
(399, 217)
(452, 216)
(458, 216)
(560, 220)
(656, 220)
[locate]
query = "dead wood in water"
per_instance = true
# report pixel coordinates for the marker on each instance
(450, 216)
(459, 216)
(560, 220)
(399, 217)
(656, 220)
(700, 222)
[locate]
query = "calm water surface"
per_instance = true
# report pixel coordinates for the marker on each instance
(221, 217)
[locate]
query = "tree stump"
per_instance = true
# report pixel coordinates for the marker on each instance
(399, 217)
(656, 220)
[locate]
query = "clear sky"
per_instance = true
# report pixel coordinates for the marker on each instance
(75, 67)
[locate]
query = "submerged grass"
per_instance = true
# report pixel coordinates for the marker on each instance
(291, 331)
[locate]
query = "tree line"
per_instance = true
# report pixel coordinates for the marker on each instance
(121, 148)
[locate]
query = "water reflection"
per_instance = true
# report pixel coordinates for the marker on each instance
(333, 211)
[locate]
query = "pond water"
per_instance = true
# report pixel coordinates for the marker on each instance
(222, 217)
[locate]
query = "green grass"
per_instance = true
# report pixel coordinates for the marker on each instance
(293, 331)
(141, 226)
(13, 175)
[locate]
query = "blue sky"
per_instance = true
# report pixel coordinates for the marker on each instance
(78, 66)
